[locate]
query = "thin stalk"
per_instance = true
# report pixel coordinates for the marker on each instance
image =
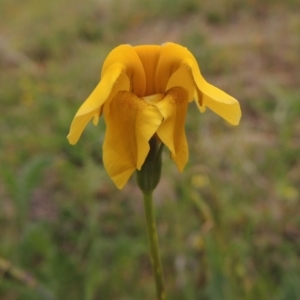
(154, 247)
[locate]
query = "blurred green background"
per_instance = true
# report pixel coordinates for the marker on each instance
(229, 226)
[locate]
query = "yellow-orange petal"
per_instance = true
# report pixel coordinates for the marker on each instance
(215, 99)
(130, 123)
(177, 58)
(171, 132)
(182, 77)
(113, 80)
(126, 56)
(149, 56)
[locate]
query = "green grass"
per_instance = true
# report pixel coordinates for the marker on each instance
(229, 226)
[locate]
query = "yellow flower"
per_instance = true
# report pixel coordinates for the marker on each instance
(144, 91)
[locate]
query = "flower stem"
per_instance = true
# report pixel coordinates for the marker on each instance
(154, 247)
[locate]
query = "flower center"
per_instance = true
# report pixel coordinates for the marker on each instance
(153, 98)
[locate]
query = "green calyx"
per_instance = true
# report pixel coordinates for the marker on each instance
(149, 175)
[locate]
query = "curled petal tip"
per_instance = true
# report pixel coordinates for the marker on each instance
(71, 140)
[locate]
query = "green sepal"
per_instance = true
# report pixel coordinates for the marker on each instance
(149, 175)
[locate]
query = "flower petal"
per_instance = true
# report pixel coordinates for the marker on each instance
(218, 101)
(175, 58)
(133, 67)
(130, 123)
(182, 78)
(149, 56)
(171, 72)
(113, 80)
(171, 132)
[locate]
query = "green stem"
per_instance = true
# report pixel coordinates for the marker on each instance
(154, 247)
